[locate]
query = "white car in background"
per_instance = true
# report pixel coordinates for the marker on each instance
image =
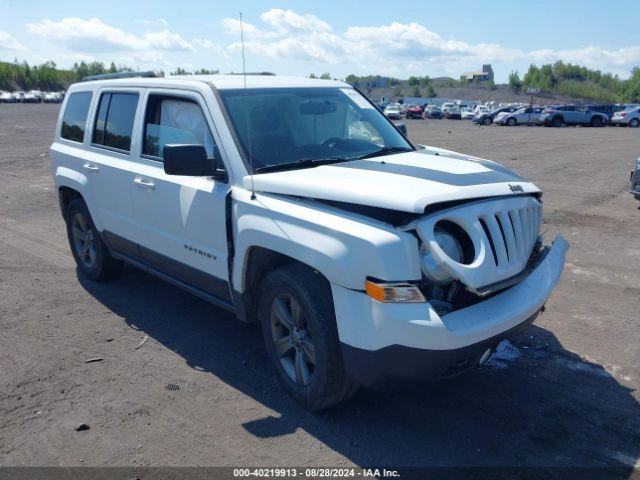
(628, 118)
(393, 112)
(467, 113)
(522, 116)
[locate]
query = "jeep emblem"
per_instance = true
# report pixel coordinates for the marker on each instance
(516, 188)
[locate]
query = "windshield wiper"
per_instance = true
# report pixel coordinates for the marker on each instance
(302, 163)
(385, 151)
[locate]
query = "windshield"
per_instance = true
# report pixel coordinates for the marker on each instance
(282, 126)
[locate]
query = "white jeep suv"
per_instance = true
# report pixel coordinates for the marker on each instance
(296, 203)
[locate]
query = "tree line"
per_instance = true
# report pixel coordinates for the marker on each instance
(47, 76)
(579, 82)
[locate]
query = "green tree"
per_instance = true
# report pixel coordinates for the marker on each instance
(397, 92)
(413, 81)
(325, 76)
(514, 82)
(430, 93)
(415, 91)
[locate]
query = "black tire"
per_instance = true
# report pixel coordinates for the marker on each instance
(487, 121)
(634, 123)
(89, 251)
(512, 122)
(557, 121)
(328, 383)
(596, 121)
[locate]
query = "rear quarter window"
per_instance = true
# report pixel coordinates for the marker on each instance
(74, 118)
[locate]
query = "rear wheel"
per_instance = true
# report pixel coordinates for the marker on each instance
(634, 123)
(512, 122)
(556, 122)
(486, 121)
(301, 337)
(596, 121)
(89, 251)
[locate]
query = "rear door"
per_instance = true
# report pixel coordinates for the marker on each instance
(181, 221)
(109, 159)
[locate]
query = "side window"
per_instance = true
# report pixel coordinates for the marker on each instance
(114, 121)
(75, 116)
(175, 120)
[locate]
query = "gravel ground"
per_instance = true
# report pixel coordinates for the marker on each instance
(199, 391)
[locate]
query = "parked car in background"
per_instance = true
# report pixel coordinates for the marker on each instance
(572, 115)
(522, 116)
(627, 118)
(18, 95)
(433, 111)
(609, 109)
(7, 97)
(392, 112)
(487, 118)
(481, 109)
(467, 113)
(52, 97)
(32, 96)
(447, 105)
(414, 111)
(452, 113)
(635, 180)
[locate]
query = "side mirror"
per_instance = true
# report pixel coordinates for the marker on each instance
(190, 160)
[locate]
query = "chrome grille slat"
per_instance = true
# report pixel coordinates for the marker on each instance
(512, 249)
(498, 242)
(517, 226)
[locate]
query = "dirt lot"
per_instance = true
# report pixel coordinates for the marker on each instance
(200, 391)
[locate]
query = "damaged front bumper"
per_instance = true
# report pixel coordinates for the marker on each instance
(382, 341)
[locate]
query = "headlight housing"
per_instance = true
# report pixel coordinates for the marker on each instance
(455, 243)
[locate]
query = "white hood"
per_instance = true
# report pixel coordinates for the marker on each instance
(407, 182)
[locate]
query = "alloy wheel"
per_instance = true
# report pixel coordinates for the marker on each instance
(83, 240)
(293, 344)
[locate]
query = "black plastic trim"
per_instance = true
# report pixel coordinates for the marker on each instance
(397, 363)
(197, 282)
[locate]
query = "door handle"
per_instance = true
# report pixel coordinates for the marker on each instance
(141, 182)
(91, 167)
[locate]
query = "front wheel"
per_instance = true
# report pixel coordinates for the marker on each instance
(596, 122)
(556, 122)
(299, 329)
(512, 122)
(486, 121)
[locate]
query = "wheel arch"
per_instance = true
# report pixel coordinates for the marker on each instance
(258, 262)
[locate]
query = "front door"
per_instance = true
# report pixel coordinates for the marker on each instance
(182, 220)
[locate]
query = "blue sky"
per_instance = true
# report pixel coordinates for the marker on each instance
(432, 38)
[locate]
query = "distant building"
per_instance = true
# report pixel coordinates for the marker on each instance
(484, 75)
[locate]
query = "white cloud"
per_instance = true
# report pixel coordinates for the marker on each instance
(95, 36)
(210, 45)
(86, 35)
(167, 40)
(9, 42)
(288, 21)
(155, 21)
(397, 48)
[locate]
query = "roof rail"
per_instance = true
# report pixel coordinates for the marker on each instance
(110, 76)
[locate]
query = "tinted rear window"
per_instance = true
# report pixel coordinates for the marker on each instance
(75, 116)
(114, 121)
